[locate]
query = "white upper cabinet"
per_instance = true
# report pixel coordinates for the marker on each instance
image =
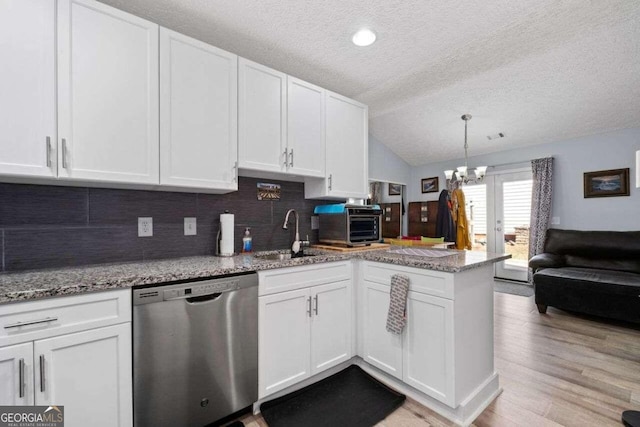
(107, 94)
(346, 150)
(198, 114)
(305, 128)
(27, 88)
(262, 117)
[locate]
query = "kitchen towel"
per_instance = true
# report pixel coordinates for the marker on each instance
(397, 316)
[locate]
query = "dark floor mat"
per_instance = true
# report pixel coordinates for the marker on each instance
(350, 398)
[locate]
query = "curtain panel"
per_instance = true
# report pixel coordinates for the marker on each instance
(541, 197)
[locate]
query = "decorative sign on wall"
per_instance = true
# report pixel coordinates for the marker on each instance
(268, 191)
(609, 183)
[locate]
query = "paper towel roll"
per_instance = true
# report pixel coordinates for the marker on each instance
(226, 239)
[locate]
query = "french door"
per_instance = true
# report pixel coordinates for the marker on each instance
(499, 212)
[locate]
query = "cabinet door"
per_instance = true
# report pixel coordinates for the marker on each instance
(27, 85)
(305, 128)
(16, 367)
(284, 340)
(198, 110)
(428, 346)
(89, 373)
(381, 348)
(262, 117)
(107, 94)
(347, 151)
(330, 325)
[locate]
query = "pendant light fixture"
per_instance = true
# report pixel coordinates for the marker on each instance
(461, 175)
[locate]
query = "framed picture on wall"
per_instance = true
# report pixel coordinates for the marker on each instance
(609, 183)
(395, 189)
(430, 185)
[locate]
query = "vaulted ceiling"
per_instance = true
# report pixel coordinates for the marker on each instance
(536, 70)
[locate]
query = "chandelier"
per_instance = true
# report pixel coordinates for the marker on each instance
(461, 175)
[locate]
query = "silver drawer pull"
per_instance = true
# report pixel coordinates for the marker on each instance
(309, 306)
(64, 153)
(21, 377)
(42, 381)
(33, 322)
(48, 142)
(291, 158)
(316, 301)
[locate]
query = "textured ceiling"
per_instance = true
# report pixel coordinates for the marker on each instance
(537, 70)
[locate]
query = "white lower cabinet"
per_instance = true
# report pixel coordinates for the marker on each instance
(87, 371)
(330, 325)
(16, 375)
(382, 349)
(284, 340)
(422, 356)
(428, 346)
(303, 331)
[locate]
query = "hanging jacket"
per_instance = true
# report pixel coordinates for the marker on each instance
(444, 221)
(463, 239)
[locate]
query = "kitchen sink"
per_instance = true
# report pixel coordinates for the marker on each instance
(279, 256)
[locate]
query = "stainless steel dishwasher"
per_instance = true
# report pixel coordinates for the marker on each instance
(195, 351)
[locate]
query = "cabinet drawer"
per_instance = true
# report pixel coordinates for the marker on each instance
(424, 281)
(288, 279)
(27, 321)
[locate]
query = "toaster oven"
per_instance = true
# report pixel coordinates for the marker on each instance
(349, 225)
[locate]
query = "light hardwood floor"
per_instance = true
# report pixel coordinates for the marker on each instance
(556, 369)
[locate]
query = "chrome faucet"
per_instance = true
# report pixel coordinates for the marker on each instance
(296, 246)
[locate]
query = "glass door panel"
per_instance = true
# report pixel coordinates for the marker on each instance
(512, 217)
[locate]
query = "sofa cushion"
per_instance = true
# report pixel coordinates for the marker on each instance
(628, 265)
(590, 280)
(594, 244)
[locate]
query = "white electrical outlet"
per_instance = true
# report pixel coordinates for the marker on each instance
(315, 222)
(190, 226)
(145, 227)
(555, 220)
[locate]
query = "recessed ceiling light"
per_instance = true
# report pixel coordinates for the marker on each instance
(364, 37)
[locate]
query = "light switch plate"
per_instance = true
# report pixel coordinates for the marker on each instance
(555, 220)
(145, 227)
(190, 226)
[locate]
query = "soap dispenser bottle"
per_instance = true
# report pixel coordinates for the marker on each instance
(247, 241)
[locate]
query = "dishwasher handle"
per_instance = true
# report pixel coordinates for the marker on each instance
(203, 298)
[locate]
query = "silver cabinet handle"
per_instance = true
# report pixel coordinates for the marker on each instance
(330, 181)
(286, 157)
(316, 301)
(235, 172)
(64, 153)
(309, 306)
(33, 322)
(42, 381)
(21, 377)
(291, 159)
(48, 151)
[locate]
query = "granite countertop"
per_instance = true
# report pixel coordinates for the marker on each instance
(38, 284)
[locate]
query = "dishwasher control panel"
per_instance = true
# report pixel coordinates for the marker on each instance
(184, 290)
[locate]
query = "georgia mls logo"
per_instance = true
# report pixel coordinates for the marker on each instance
(32, 416)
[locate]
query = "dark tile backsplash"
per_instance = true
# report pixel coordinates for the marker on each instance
(49, 226)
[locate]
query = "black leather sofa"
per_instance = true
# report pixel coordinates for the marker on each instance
(591, 272)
